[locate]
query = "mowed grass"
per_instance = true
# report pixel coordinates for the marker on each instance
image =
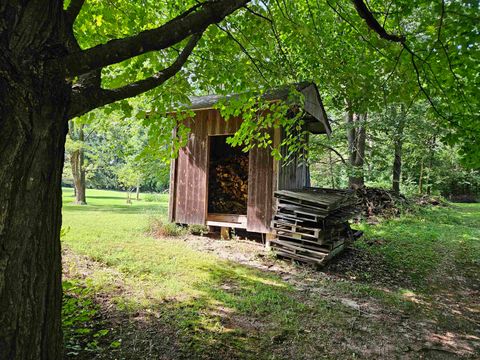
(144, 273)
(217, 309)
(114, 233)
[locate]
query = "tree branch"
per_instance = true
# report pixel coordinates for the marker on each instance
(373, 24)
(73, 10)
(244, 50)
(335, 151)
(195, 20)
(86, 99)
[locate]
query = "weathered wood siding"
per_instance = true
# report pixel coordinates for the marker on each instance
(293, 172)
(189, 172)
(260, 190)
(189, 177)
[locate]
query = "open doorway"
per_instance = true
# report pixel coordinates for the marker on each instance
(228, 178)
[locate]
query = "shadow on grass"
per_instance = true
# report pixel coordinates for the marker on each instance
(236, 312)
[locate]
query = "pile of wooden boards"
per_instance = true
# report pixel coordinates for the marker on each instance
(311, 225)
(379, 202)
(228, 185)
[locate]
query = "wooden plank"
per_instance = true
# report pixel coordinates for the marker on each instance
(172, 198)
(233, 218)
(301, 258)
(260, 190)
(317, 252)
(296, 227)
(180, 191)
(191, 177)
(226, 224)
(298, 252)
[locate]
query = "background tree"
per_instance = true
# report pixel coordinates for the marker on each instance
(75, 146)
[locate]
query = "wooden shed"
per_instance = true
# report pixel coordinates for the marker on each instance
(193, 200)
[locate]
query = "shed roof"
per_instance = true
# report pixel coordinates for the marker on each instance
(316, 118)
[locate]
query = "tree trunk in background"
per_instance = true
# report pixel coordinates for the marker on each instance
(332, 175)
(420, 179)
(77, 159)
(138, 192)
(398, 144)
(432, 144)
(356, 135)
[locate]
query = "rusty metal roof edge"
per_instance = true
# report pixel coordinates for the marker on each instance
(313, 104)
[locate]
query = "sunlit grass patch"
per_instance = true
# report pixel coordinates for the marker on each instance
(421, 242)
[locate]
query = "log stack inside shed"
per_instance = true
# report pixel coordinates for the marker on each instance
(311, 225)
(228, 178)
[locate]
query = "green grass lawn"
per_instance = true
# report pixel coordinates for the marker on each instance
(160, 298)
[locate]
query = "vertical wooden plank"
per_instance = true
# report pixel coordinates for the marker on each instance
(202, 169)
(218, 122)
(171, 191)
(191, 174)
(180, 187)
(260, 190)
(252, 190)
(172, 186)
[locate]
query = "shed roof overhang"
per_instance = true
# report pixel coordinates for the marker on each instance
(316, 119)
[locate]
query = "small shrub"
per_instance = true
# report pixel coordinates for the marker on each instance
(159, 228)
(200, 230)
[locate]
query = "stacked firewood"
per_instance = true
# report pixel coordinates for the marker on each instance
(228, 186)
(379, 202)
(311, 225)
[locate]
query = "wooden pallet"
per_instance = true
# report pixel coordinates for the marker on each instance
(322, 245)
(311, 225)
(297, 229)
(317, 257)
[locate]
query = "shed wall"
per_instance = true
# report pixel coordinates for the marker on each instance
(293, 172)
(260, 190)
(189, 174)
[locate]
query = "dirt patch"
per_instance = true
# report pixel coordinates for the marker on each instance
(432, 327)
(363, 266)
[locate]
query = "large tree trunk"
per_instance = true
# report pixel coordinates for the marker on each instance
(33, 102)
(77, 158)
(356, 135)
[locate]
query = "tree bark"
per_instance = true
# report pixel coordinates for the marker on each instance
(397, 166)
(77, 159)
(420, 178)
(33, 101)
(398, 145)
(428, 183)
(356, 135)
(138, 192)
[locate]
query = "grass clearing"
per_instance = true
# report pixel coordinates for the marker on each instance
(165, 298)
